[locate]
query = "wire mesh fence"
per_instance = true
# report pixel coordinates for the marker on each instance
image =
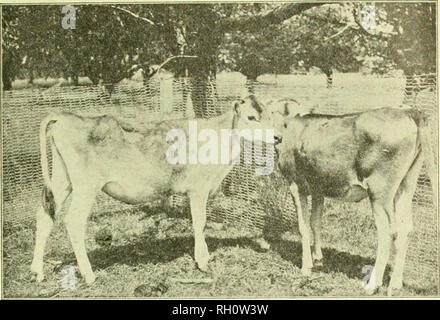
(244, 199)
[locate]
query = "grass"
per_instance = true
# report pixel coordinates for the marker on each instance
(150, 247)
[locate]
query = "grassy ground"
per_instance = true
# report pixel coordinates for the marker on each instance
(150, 248)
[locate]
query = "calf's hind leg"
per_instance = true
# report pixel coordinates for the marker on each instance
(198, 202)
(60, 188)
(75, 221)
(382, 196)
(404, 223)
(383, 246)
(44, 227)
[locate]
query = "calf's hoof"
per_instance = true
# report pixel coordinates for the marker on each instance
(37, 273)
(379, 290)
(394, 291)
(203, 267)
(306, 271)
(38, 277)
(371, 291)
(317, 265)
(202, 262)
(90, 278)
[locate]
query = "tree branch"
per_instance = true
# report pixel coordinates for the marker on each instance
(275, 16)
(325, 20)
(359, 26)
(134, 15)
(166, 61)
(354, 24)
(339, 32)
(127, 74)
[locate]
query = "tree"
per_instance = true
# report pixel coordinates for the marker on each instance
(111, 42)
(10, 48)
(13, 44)
(410, 42)
(413, 44)
(269, 50)
(323, 37)
(107, 45)
(199, 31)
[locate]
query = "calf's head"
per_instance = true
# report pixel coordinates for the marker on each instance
(252, 114)
(281, 111)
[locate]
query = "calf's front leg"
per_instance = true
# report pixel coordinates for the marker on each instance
(198, 202)
(317, 207)
(300, 200)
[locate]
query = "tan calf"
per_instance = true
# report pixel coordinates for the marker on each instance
(375, 154)
(98, 153)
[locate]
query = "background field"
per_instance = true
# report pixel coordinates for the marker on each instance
(153, 244)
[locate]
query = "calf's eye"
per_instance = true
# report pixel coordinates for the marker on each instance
(252, 118)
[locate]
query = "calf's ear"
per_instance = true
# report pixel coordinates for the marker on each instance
(290, 108)
(286, 111)
(237, 106)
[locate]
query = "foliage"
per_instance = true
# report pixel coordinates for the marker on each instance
(267, 51)
(413, 46)
(111, 42)
(328, 37)
(314, 39)
(320, 42)
(104, 45)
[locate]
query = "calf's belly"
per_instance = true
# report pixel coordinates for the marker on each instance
(132, 195)
(354, 193)
(136, 184)
(346, 188)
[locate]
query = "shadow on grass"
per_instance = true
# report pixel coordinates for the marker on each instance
(148, 250)
(343, 262)
(334, 261)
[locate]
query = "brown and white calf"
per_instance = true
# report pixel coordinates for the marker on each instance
(375, 154)
(98, 153)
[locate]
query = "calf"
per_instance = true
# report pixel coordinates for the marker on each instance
(375, 154)
(98, 153)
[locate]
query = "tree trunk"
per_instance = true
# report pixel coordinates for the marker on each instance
(75, 80)
(110, 88)
(7, 72)
(7, 83)
(204, 97)
(329, 75)
(202, 73)
(95, 80)
(250, 85)
(31, 76)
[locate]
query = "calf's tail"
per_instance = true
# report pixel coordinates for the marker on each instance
(424, 137)
(47, 194)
